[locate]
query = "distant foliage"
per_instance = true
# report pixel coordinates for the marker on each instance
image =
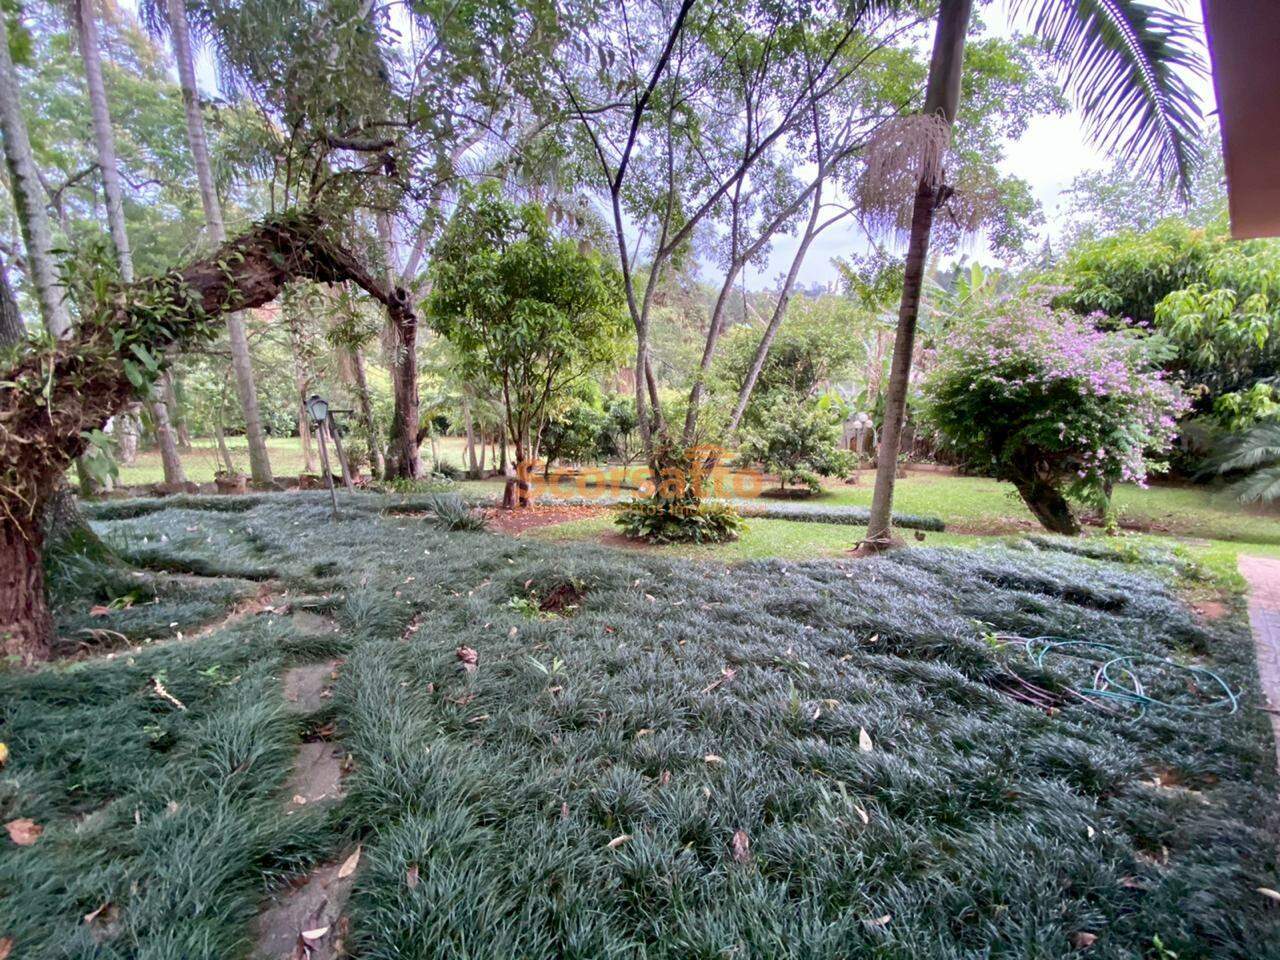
(1042, 396)
(799, 440)
(683, 520)
(1215, 300)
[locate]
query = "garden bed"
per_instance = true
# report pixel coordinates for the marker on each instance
(774, 759)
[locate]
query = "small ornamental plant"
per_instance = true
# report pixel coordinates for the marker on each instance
(1060, 409)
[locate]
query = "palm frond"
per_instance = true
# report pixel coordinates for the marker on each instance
(1126, 63)
(1253, 448)
(1263, 486)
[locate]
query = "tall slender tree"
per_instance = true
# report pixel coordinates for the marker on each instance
(86, 23)
(1123, 60)
(28, 197)
(241, 359)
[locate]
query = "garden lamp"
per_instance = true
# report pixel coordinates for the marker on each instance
(318, 408)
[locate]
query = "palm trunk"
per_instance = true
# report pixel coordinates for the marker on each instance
(241, 360)
(28, 197)
(942, 98)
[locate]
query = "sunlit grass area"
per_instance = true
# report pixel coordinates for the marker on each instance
(202, 461)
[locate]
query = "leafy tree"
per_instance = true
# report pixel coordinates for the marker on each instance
(798, 438)
(1058, 408)
(819, 344)
(573, 435)
(617, 435)
(528, 312)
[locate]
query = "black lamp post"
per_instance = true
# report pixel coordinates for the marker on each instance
(318, 409)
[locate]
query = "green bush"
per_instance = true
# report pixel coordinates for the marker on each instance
(683, 520)
(452, 512)
(798, 438)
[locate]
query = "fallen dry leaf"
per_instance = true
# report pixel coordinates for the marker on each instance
(712, 758)
(618, 841)
(23, 831)
(1083, 940)
(93, 915)
(99, 611)
(411, 877)
(4, 754)
(1270, 894)
(741, 847)
(879, 921)
(468, 658)
(299, 799)
(6, 947)
(349, 865)
(864, 740)
(315, 934)
(862, 814)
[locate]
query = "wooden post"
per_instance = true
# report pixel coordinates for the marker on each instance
(321, 431)
(332, 426)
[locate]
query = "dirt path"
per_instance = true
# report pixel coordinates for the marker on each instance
(1263, 574)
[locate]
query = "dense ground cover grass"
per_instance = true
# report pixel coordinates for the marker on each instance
(677, 767)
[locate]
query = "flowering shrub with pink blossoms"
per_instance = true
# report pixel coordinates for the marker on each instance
(1045, 400)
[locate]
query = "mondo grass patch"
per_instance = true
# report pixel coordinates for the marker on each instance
(770, 759)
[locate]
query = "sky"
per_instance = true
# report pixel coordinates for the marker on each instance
(1049, 156)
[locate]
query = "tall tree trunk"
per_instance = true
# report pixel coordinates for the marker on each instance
(300, 383)
(473, 470)
(172, 388)
(775, 322)
(105, 142)
(104, 139)
(241, 359)
(28, 197)
(402, 448)
(942, 98)
(378, 463)
(402, 451)
(12, 329)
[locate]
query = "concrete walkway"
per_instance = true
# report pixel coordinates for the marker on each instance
(1263, 574)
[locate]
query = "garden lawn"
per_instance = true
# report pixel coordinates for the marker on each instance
(696, 759)
(202, 461)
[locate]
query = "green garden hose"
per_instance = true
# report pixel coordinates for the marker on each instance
(1117, 674)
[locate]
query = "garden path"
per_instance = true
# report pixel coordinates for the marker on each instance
(1263, 574)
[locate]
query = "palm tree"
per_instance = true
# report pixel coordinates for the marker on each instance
(86, 24)
(1256, 450)
(1122, 60)
(28, 197)
(241, 361)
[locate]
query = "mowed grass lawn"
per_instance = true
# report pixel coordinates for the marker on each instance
(768, 759)
(202, 461)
